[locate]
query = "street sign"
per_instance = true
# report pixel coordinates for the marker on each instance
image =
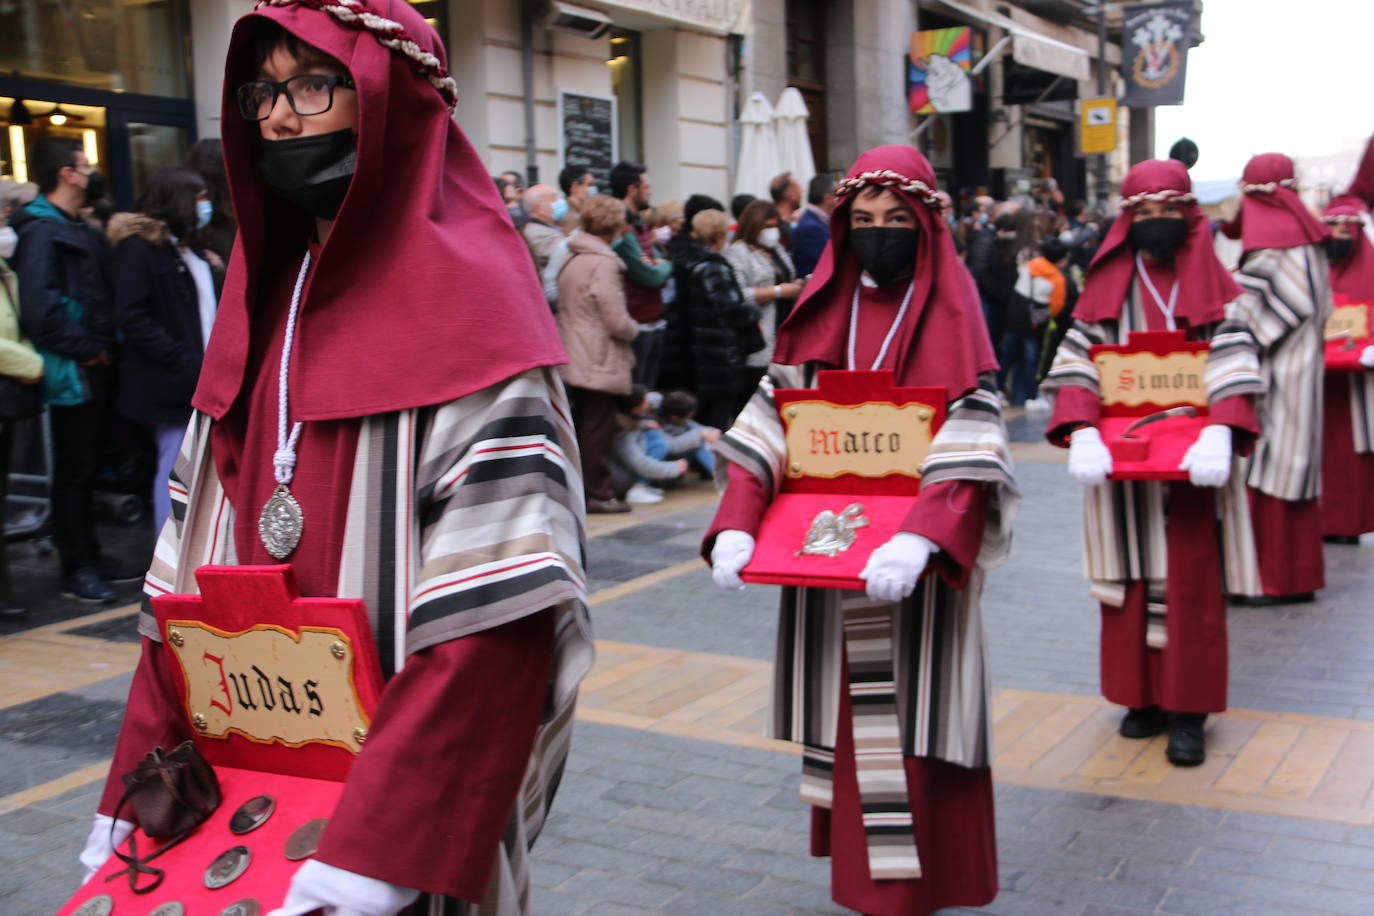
(1097, 126)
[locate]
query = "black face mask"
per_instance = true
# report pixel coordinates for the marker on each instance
(1339, 249)
(887, 253)
(95, 187)
(312, 172)
(1159, 236)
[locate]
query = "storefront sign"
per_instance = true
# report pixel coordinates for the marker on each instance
(938, 67)
(715, 15)
(1155, 40)
(1097, 126)
(587, 134)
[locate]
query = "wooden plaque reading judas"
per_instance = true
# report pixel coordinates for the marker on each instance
(1134, 379)
(270, 684)
(855, 447)
(869, 440)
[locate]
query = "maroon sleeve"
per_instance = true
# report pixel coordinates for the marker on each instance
(430, 796)
(952, 514)
(1238, 412)
(153, 717)
(1074, 407)
(741, 508)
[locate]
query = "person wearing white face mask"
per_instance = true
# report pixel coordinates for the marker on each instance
(20, 363)
(764, 272)
(165, 302)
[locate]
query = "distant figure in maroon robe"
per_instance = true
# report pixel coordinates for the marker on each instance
(898, 673)
(1152, 548)
(1285, 302)
(417, 422)
(1348, 423)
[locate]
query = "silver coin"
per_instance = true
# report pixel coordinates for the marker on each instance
(228, 867)
(281, 523)
(252, 814)
(171, 908)
(96, 906)
(305, 840)
(245, 907)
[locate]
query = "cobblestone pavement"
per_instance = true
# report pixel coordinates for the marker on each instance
(674, 802)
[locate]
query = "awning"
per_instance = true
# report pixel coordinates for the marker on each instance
(1033, 48)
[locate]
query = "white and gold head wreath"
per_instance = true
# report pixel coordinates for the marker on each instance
(889, 179)
(1268, 187)
(1336, 219)
(390, 34)
(1170, 194)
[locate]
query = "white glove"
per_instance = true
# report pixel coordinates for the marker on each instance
(1367, 357)
(732, 552)
(317, 886)
(100, 846)
(892, 569)
(1208, 460)
(1089, 459)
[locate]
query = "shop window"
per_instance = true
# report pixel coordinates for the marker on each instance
(624, 65)
(119, 45)
(436, 14)
(806, 68)
(27, 121)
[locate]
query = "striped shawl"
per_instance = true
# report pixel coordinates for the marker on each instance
(1124, 522)
(918, 668)
(461, 517)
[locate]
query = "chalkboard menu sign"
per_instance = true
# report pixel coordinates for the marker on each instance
(587, 134)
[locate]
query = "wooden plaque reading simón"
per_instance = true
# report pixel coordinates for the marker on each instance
(1352, 318)
(1133, 379)
(873, 439)
(270, 684)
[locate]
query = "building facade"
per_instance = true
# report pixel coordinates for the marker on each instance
(545, 82)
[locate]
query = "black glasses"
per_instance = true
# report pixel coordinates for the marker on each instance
(308, 94)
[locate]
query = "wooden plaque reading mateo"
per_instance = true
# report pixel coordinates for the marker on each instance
(1347, 333)
(855, 446)
(1153, 372)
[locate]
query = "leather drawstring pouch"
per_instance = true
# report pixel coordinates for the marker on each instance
(172, 794)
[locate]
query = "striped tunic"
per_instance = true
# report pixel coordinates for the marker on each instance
(1124, 521)
(920, 664)
(1284, 305)
(461, 517)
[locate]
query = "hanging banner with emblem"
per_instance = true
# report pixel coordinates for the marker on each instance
(1097, 126)
(1154, 52)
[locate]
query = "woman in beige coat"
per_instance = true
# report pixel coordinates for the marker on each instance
(597, 330)
(18, 360)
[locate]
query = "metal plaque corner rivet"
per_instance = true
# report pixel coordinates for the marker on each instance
(200, 722)
(174, 636)
(360, 734)
(791, 413)
(338, 649)
(796, 467)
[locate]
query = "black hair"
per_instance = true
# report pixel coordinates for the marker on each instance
(1052, 249)
(628, 402)
(818, 187)
(270, 36)
(678, 404)
(624, 176)
(171, 197)
(571, 175)
(206, 159)
(777, 188)
(48, 157)
(739, 202)
(695, 204)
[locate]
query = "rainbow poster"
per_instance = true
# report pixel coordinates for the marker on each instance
(938, 70)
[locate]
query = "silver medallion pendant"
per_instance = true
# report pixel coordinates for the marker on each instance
(281, 522)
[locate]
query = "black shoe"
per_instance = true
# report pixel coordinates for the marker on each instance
(111, 570)
(606, 506)
(1187, 744)
(1142, 723)
(1273, 600)
(10, 611)
(87, 585)
(1341, 538)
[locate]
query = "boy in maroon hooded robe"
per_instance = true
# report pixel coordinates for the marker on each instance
(911, 830)
(1348, 419)
(437, 480)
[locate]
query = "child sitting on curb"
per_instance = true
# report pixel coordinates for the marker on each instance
(634, 469)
